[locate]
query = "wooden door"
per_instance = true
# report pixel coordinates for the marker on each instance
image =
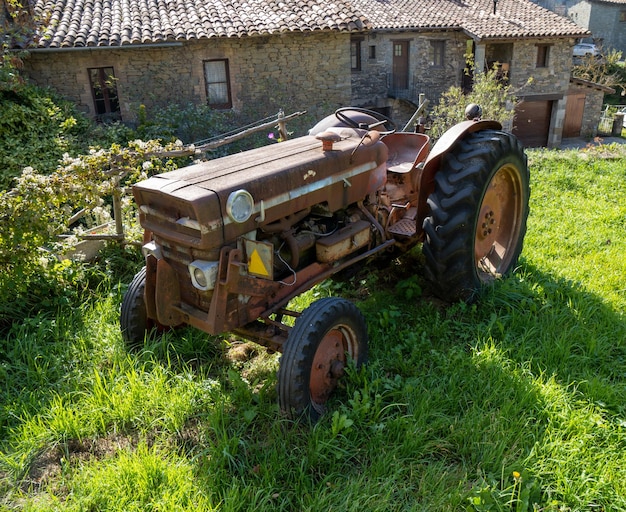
(573, 115)
(400, 77)
(532, 122)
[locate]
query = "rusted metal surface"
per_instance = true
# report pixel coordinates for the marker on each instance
(328, 366)
(167, 295)
(282, 179)
(499, 222)
(311, 216)
(150, 288)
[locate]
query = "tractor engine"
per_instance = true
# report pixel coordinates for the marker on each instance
(282, 207)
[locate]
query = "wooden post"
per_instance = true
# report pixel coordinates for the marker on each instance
(282, 126)
(117, 209)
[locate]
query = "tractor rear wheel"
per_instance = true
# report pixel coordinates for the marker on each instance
(327, 334)
(478, 212)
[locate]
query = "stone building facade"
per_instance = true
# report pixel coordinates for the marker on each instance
(542, 85)
(373, 84)
(302, 56)
(537, 69)
(291, 71)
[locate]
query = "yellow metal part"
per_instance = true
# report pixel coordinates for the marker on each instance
(260, 257)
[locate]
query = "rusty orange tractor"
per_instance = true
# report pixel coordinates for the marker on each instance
(233, 240)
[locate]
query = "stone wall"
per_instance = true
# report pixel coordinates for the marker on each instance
(606, 27)
(301, 71)
(579, 11)
(370, 85)
(552, 79)
(291, 71)
(602, 18)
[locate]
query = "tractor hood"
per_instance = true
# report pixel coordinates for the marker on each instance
(207, 204)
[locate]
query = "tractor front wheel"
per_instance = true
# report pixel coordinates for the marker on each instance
(134, 322)
(478, 211)
(327, 334)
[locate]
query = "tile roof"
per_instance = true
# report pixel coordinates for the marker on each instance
(81, 23)
(513, 18)
(113, 23)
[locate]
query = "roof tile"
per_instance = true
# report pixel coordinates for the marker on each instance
(124, 22)
(513, 18)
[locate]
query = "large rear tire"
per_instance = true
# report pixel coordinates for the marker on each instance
(478, 212)
(325, 336)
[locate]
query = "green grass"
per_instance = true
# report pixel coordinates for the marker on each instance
(515, 403)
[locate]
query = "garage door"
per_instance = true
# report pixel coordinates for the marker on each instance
(532, 122)
(573, 115)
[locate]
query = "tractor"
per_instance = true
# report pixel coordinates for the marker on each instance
(231, 241)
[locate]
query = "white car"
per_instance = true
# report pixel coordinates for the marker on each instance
(582, 49)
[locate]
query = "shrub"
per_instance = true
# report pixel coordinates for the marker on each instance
(608, 70)
(39, 129)
(196, 124)
(495, 97)
(37, 209)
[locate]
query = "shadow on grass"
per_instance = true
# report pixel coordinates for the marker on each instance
(490, 385)
(457, 394)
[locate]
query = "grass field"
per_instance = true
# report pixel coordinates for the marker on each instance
(515, 403)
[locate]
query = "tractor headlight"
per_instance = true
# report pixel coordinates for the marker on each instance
(203, 274)
(240, 205)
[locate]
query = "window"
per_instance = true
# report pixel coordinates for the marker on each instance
(104, 92)
(543, 51)
(355, 54)
(372, 52)
(622, 16)
(217, 83)
(437, 53)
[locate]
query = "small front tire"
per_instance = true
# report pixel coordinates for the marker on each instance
(327, 334)
(134, 322)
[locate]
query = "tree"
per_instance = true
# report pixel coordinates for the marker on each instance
(490, 90)
(18, 31)
(605, 70)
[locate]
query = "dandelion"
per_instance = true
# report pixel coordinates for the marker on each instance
(516, 475)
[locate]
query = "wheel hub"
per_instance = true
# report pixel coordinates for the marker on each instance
(328, 366)
(498, 223)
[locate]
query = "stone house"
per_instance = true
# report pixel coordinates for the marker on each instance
(605, 19)
(110, 56)
(421, 47)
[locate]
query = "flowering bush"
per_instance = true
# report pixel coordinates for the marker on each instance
(38, 208)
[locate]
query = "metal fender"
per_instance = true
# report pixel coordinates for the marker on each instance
(458, 131)
(443, 145)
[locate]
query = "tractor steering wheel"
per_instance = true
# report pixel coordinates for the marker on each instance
(342, 115)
